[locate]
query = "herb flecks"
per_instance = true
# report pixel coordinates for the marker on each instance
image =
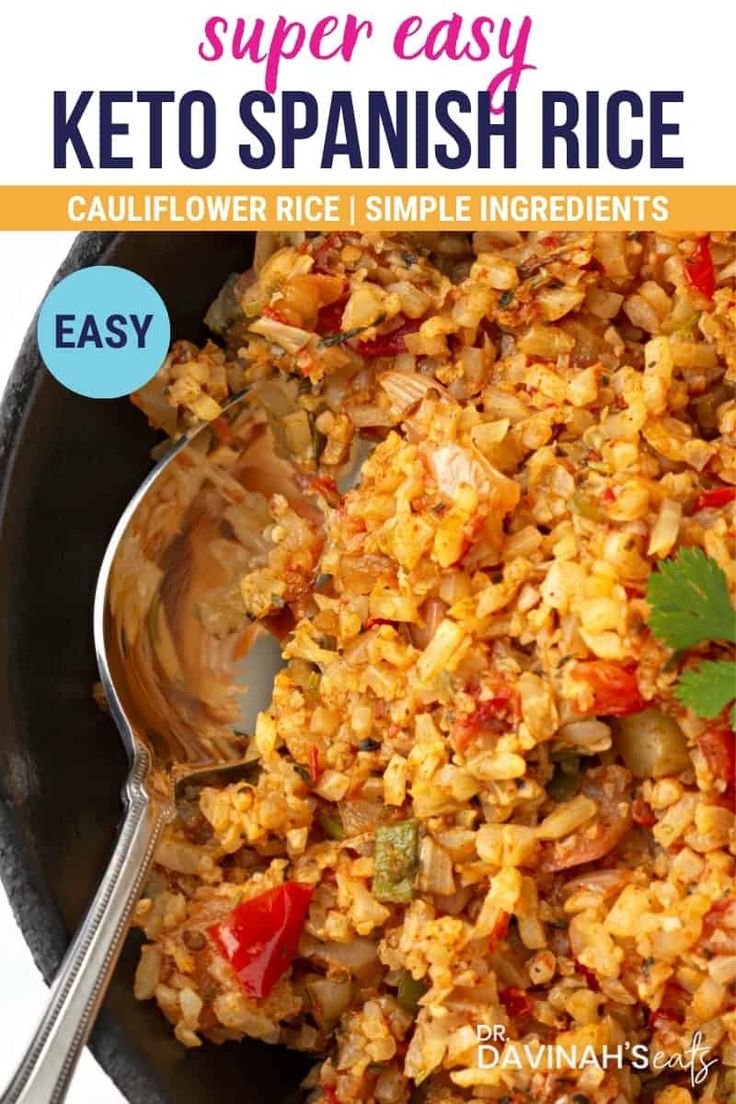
(342, 336)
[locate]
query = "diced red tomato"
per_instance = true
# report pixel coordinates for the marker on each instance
(608, 496)
(615, 687)
(715, 498)
(516, 1002)
(642, 813)
(491, 715)
(329, 319)
(504, 700)
(260, 936)
(699, 269)
(550, 242)
(390, 344)
(314, 763)
(718, 745)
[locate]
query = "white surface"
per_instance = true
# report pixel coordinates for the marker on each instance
(28, 263)
(573, 45)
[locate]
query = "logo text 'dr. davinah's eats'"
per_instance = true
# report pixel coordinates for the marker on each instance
(496, 1051)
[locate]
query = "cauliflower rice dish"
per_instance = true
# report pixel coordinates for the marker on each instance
(495, 784)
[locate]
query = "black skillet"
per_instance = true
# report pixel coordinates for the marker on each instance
(68, 466)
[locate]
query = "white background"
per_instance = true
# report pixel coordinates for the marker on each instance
(28, 263)
(575, 45)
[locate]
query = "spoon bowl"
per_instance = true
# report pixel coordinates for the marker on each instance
(182, 676)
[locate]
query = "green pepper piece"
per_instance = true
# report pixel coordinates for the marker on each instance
(396, 861)
(331, 825)
(410, 991)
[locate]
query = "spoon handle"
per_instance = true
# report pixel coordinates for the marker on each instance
(77, 991)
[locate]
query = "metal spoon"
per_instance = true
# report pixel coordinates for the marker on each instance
(182, 683)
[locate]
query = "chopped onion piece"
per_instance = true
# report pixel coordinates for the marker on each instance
(435, 874)
(329, 1000)
(651, 743)
(291, 338)
(666, 528)
(405, 389)
(359, 956)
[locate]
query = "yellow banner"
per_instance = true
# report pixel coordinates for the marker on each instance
(365, 208)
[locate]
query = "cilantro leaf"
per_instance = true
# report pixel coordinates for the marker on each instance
(690, 602)
(708, 688)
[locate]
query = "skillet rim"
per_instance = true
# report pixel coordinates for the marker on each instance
(41, 926)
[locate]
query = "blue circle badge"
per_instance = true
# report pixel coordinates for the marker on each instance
(103, 331)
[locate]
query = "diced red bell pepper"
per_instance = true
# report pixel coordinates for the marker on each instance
(615, 687)
(642, 813)
(259, 938)
(699, 269)
(718, 745)
(390, 344)
(713, 499)
(515, 1001)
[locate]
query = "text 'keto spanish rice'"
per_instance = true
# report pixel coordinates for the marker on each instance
(479, 800)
